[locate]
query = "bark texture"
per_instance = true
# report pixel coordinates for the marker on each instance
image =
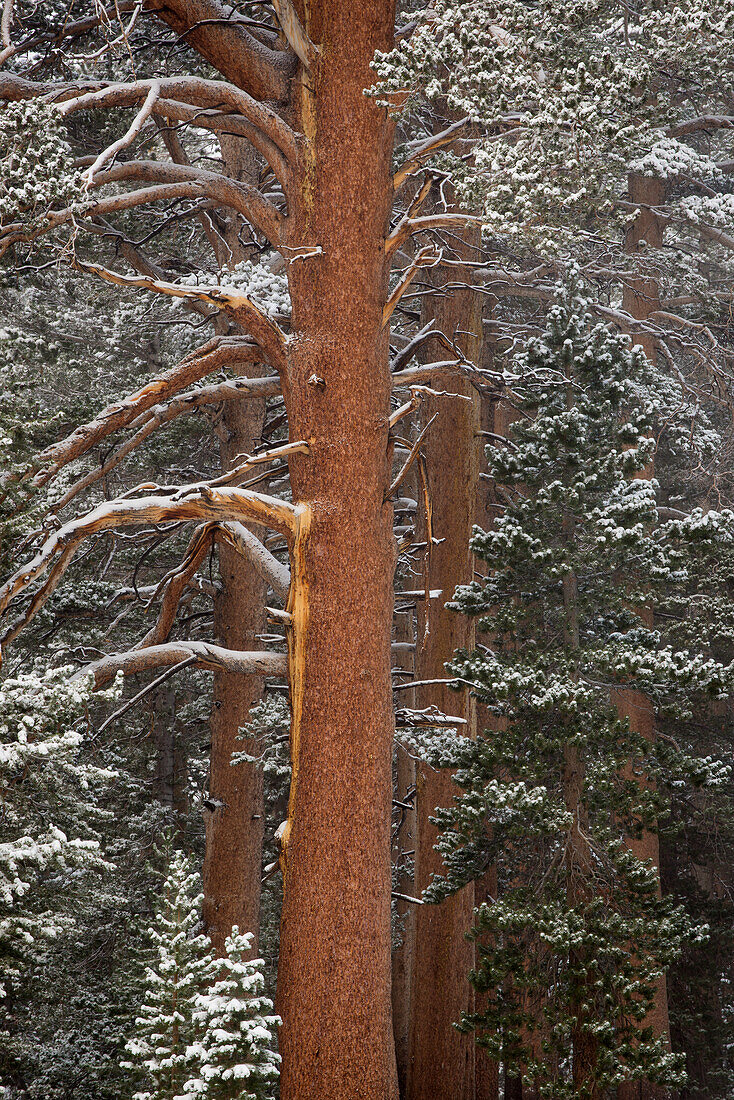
(442, 1060)
(334, 972)
(234, 825)
(641, 299)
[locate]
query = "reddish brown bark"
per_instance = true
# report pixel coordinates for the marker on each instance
(442, 1060)
(235, 825)
(334, 972)
(642, 298)
(402, 956)
(234, 829)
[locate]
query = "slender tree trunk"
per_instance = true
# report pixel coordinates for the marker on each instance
(334, 988)
(641, 298)
(405, 791)
(170, 772)
(442, 1060)
(234, 821)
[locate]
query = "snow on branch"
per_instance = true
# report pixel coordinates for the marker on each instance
(208, 656)
(133, 130)
(190, 503)
(267, 333)
(271, 570)
(216, 94)
(221, 352)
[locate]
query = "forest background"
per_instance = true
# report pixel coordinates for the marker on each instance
(294, 296)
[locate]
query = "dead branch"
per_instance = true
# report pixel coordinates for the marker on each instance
(265, 564)
(298, 40)
(208, 656)
(267, 333)
(212, 94)
(196, 503)
(132, 132)
(242, 197)
(415, 161)
(412, 455)
(221, 352)
(162, 414)
(427, 257)
(173, 585)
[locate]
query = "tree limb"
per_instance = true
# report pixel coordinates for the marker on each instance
(241, 197)
(276, 574)
(192, 503)
(221, 36)
(208, 656)
(267, 333)
(221, 352)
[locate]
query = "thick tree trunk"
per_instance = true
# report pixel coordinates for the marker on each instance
(442, 1060)
(402, 956)
(641, 298)
(334, 974)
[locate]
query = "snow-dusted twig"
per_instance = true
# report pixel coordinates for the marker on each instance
(134, 129)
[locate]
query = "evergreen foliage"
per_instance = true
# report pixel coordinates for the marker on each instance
(158, 1051)
(570, 952)
(234, 1056)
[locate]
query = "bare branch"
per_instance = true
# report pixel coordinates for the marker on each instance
(219, 353)
(241, 197)
(213, 94)
(192, 503)
(426, 149)
(174, 584)
(161, 414)
(208, 656)
(266, 564)
(267, 333)
(298, 40)
(427, 257)
(412, 455)
(410, 226)
(132, 132)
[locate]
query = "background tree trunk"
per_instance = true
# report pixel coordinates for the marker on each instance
(234, 826)
(442, 1060)
(641, 298)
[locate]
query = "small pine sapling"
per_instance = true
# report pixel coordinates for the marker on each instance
(166, 1029)
(234, 1056)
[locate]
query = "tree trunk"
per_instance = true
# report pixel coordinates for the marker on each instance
(234, 825)
(334, 974)
(641, 298)
(402, 956)
(442, 1060)
(234, 822)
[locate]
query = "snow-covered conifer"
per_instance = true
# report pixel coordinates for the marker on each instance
(184, 965)
(234, 1056)
(570, 952)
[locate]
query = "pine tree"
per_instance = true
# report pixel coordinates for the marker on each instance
(569, 953)
(234, 1055)
(165, 1028)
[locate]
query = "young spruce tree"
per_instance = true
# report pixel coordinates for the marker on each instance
(165, 1029)
(234, 1056)
(568, 955)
